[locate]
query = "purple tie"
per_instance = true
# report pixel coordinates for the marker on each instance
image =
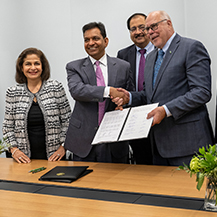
(100, 82)
(141, 70)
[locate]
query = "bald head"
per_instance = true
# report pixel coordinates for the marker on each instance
(160, 28)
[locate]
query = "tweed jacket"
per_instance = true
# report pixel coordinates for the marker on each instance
(54, 106)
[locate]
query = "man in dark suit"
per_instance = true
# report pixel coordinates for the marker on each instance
(136, 23)
(91, 97)
(177, 75)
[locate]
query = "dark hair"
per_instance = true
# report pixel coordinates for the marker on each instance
(93, 25)
(20, 77)
(132, 16)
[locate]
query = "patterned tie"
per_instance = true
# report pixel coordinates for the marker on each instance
(157, 65)
(100, 82)
(141, 70)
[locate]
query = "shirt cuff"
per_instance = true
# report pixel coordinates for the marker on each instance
(106, 92)
(167, 111)
(130, 100)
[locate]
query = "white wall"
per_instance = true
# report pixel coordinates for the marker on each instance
(199, 23)
(54, 26)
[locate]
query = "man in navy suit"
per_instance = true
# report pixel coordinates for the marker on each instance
(89, 96)
(181, 84)
(136, 23)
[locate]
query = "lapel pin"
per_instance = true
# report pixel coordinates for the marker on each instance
(170, 51)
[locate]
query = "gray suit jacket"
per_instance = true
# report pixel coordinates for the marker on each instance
(83, 88)
(183, 84)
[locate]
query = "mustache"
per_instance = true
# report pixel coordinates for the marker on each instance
(140, 35)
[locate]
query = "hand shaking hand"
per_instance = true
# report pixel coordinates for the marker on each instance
(119, 96)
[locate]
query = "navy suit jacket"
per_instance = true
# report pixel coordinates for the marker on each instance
(183, 84)
(83, 88)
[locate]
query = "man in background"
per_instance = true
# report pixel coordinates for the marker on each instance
(178, 77)
(91, 81)
(136, 55)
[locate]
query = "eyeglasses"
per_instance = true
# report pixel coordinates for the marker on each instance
(134, 28)
(153, 26)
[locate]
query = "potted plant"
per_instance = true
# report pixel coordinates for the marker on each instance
(204, 164)
(3, 145)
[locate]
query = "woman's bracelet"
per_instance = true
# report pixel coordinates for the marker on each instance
(14, 152)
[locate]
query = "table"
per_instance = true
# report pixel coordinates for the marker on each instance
(104, 183)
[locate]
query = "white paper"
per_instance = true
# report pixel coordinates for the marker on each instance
(110, 126)
(137, 124)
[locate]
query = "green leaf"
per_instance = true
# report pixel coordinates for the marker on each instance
(187, 166)
(200, 179)
(212, 149)
(202, 150)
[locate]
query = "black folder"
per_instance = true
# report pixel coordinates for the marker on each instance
(66, 174)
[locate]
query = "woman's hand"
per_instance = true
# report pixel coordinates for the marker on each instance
(19, 156)
(57, 155)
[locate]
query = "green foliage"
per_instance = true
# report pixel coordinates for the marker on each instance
(3, 145)
(203, 164)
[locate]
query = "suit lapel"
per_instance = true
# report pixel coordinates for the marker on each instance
(89, 71)
(169, 54)
(132, 61)
(112, 71)
(112, 74)
(149, 70)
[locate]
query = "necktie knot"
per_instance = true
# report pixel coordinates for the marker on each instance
(99, 73)
(97, 63)
(142, 51)
(160, 53)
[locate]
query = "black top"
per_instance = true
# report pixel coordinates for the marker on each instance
(36, 132)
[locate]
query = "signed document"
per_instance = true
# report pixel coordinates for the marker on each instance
(131, 123)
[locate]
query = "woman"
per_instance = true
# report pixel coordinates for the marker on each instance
(37, 111)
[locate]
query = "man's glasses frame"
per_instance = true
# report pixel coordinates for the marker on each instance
(134, 28)
(153, 26)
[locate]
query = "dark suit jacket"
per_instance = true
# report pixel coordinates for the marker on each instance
(83, 88)
(183, 84)
(129, 54)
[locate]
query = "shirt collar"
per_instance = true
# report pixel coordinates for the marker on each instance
(102, 60)
(148, 48)
(166, 46)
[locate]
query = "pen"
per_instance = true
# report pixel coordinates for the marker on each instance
(37, 170)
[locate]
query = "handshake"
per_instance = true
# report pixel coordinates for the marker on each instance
(119, 96)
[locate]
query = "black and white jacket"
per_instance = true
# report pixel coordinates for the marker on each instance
(54, 106)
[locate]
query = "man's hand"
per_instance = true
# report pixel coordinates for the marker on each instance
(119, 96)
(119, 108)
(158, 115)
